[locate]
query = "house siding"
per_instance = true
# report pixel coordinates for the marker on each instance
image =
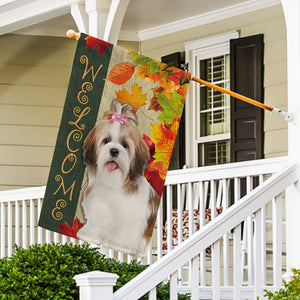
(270, 22)
(33, 81)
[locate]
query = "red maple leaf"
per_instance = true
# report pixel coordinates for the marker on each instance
(151, 146)
(176, 77)
(66, 229)
(155, 180)
(153, 173)
(94, 43)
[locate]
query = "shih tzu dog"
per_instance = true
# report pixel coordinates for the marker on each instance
(119, 204)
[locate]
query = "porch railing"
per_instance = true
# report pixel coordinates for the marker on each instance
(192, 197)
(190, 251)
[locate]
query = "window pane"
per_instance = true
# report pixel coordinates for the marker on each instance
(214, 153)
(206, 124)
(214, 105)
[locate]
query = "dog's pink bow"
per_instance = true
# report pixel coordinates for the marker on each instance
(120, 118)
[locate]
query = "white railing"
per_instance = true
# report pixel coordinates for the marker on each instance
(188, 192)
(19, 212)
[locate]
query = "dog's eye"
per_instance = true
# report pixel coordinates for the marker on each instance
(125, 145)
(106, 140)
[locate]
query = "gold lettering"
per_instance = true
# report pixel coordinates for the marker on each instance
(56, 212)
(71, 157)
(59, 178)
(84, 60)
(77, 136)
(86, 87)
(77, 113)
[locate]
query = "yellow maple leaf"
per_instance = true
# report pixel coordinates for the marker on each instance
(143, 71)
(135, 99)
(164, 137)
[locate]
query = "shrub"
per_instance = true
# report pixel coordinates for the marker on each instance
(290, 291)
(46, 271)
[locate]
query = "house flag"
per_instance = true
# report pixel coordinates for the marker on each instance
(118, 128)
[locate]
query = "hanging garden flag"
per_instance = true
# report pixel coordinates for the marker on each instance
(114, 145)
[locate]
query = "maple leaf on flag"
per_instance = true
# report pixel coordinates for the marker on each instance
(150, 145)
(154, 105)
(185, 78)
(121, 73)
(139, 59)
(176, 76)
(154, 173)
(143, 71)
(66, 229)
(154, 178)
(172, 108)
(183, 90)
(164, 137)
(135, 99)
(94, 43)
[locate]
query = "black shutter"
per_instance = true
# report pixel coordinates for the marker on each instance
(178, 156)
(246, 77)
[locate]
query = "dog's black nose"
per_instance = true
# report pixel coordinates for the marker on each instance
(114, 152)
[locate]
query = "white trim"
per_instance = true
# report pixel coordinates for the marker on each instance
(206, 18)
(22, 194)
(212, 41)
(13, 19)
(213, 138)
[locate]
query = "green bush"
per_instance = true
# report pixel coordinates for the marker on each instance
(290, 291)
(44, 272)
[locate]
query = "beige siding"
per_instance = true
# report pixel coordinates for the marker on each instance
(33, 81)
(270, 22)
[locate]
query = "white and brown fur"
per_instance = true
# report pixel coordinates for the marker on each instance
(119, 206)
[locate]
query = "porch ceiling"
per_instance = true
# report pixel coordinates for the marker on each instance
(143, 19)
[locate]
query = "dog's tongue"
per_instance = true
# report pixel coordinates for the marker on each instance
(111, 166)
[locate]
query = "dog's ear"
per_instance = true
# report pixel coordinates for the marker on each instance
(89, 148)
(141, 158)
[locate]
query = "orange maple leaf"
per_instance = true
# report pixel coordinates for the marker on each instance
(121, 73)
(166, 87)
(164, 137)
(135, 99)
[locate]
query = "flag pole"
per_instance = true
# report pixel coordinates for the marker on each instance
(287, 116)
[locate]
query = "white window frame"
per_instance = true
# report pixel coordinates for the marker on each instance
(196, 51)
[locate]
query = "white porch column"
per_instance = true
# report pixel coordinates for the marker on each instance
(105, 18)
(292, 18)
(96, 285)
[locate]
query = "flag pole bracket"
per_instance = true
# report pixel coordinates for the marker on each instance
(285, 115)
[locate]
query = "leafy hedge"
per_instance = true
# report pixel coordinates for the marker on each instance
(290, 290)
(43, 272)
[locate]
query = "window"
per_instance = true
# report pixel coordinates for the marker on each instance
(208, 110)
(214, 112)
